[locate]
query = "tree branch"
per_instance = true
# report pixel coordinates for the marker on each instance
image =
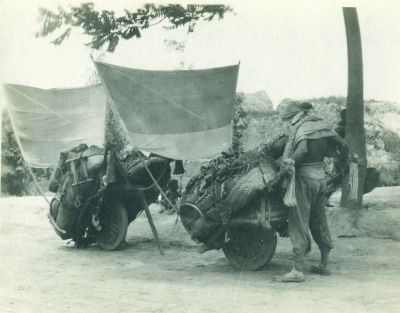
(105, 28)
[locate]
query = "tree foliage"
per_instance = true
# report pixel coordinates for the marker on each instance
(104, 27)
(241, 120)
(115, 136)
(15, 178)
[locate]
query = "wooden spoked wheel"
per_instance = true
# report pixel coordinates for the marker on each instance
(249, 246)
(114, 226)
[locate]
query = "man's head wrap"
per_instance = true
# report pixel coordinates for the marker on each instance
(294, 107)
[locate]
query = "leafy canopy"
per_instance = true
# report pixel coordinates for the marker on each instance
(106, 28)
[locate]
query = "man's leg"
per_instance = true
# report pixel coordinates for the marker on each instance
(333, 184)
(298, 230)
(320, 232)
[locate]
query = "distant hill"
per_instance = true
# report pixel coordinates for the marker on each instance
(257, 102)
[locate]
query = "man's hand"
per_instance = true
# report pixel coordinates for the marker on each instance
(289, 162)
(342, 147)
(288, 165)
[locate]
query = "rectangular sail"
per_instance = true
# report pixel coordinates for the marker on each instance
(177, 114)
(47, 121)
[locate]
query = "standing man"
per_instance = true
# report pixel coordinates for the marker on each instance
(309, 141)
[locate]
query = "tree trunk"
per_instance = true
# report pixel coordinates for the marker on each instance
(355, 132)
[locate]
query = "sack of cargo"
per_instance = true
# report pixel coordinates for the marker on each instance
(224, 189)
(245, 187)
(73, 187)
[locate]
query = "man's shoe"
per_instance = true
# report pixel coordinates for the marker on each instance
(293, 276)
(321, 270)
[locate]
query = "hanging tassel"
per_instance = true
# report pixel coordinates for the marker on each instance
(353, 179)
(290, 194)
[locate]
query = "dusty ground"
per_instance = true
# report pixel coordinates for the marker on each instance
(41, 273)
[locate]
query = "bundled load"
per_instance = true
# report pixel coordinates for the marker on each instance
(229, 187)
(99, 194)
(72, 183)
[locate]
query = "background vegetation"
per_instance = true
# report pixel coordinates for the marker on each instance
(251, 127)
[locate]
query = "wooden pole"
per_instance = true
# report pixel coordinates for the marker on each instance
(37, 184)
(146, 207)
(156, 184)
(152, 226)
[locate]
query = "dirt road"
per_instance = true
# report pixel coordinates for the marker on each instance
(40, 273)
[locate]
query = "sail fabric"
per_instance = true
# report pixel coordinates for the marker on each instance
(48, 121)
(182, 115)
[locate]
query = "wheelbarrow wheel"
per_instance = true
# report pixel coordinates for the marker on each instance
(114, 225)
(249, 247)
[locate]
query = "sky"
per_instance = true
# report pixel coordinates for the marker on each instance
(289, 49)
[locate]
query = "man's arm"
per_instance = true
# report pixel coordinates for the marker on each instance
(300, 152)
(342, 146)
